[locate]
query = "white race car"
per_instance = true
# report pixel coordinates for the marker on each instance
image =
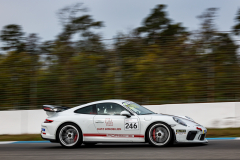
(117, 121)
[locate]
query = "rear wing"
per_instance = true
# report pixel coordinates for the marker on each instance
(53, 108)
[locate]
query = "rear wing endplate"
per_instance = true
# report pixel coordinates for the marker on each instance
(53, 108)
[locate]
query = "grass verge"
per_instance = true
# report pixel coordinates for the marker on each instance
(226, 132)
(21, 137)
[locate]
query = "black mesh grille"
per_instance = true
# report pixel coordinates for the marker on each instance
(202, 136)
(191, 135)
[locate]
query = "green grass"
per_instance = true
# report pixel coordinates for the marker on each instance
(226, 132)
(21, 137)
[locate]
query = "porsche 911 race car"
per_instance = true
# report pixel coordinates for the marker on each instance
(117, 121)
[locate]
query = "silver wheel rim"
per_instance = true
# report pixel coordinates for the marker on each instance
(69, 135)
(159, 134)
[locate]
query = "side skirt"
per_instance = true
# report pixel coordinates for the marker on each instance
(109, 142)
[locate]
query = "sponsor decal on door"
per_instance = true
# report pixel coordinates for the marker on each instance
(108, 122)
(109, 129)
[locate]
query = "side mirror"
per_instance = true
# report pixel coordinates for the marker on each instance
(125, 113)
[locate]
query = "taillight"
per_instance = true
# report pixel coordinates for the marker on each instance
(48, 121)
(47, 109)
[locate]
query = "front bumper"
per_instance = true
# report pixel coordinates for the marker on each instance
(190, 134)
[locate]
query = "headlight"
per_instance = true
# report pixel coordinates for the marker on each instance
(179, 121)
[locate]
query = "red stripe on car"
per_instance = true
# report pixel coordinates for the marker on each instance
(139, 136)
(115, 135)
(94, 135)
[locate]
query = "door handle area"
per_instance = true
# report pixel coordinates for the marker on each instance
(99, 121)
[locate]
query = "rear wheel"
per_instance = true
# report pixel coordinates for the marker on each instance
(70, 135)
(159, 134)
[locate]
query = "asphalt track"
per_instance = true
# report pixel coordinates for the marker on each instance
(216, 149)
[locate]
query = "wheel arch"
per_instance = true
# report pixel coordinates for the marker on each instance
(57, 130)
(145, 133)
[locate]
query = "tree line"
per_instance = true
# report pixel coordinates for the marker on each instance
(158, 62)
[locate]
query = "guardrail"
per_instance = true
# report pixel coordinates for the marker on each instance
(211, 115)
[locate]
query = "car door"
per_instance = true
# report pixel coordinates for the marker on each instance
(84, 117)
(114, 127)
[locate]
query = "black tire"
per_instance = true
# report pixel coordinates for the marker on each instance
(69, 135)
(159, 134)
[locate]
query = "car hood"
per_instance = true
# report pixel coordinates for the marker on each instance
(186, 119)
(160, 114)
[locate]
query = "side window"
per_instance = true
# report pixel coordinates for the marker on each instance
(87, 110)
(109, 109)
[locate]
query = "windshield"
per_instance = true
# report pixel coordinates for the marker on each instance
(140, 110)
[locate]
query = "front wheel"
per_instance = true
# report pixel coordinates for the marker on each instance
(70, 135)
(159, 134)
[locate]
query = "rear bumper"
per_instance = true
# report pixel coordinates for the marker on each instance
(47, 137)
(52, 140)
(48, 131)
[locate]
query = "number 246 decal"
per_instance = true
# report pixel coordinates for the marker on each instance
(131, 126)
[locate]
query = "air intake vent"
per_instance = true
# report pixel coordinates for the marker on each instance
(201, 137)
(191, 135)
